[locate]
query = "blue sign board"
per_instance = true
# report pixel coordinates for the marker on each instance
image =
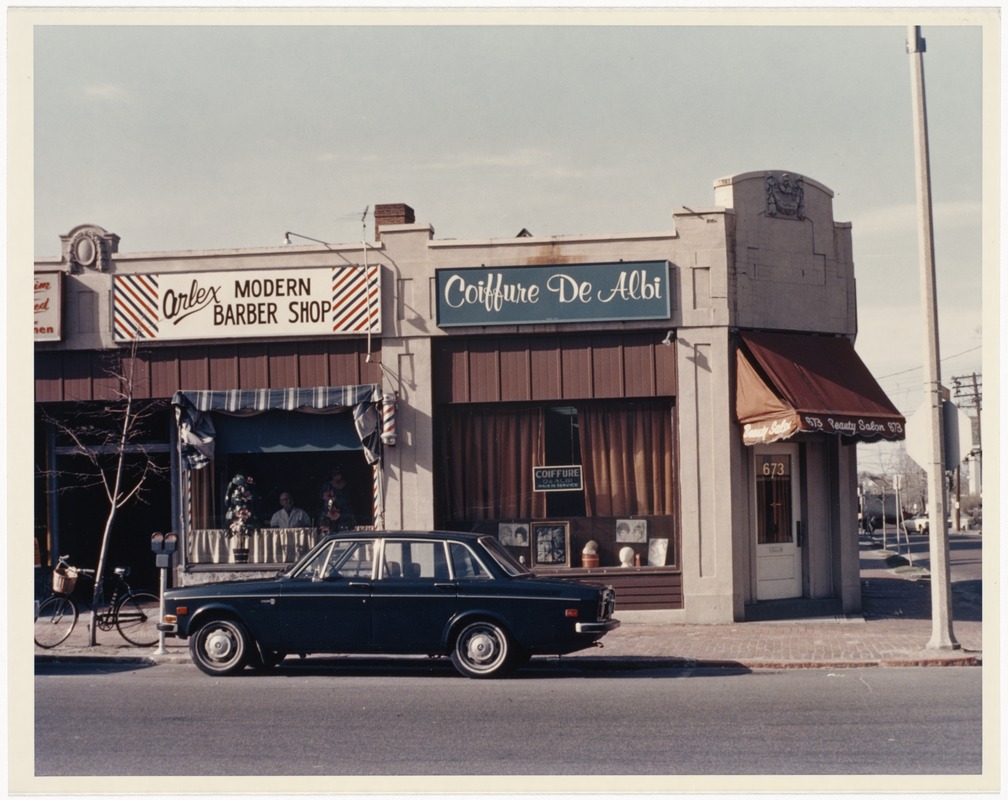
(631, 290)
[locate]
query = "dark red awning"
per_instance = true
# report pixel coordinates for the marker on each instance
(791, 383)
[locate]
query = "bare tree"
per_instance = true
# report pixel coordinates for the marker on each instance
(105, 437)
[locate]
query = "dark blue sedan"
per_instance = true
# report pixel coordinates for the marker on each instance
(430, 593)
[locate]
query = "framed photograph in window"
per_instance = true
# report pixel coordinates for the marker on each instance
(551, 543)
(631, 530)
(513, 534)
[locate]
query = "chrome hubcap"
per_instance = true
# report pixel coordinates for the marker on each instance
(481, 648)
(219, 645)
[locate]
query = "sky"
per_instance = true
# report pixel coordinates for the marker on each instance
(183, 136)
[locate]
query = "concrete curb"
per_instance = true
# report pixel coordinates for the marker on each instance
(596, 663)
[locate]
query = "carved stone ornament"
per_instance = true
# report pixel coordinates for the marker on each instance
(89, 246)
(785, 195)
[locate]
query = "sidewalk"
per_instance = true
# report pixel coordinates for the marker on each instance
(893, 630)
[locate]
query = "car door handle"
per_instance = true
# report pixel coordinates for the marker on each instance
(359, 584)
(449, 586)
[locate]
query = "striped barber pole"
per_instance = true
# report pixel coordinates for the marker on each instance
(388, 421)
(377, 498)
(356, 302)
(135, 307)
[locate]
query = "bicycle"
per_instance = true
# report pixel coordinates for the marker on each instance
(134, 614)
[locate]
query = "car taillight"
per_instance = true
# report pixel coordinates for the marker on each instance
(571, 612)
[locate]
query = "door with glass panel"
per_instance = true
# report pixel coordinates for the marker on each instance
(778, 522)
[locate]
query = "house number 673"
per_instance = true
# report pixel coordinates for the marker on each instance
(774, 469)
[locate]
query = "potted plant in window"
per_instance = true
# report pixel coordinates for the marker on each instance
(239, 501)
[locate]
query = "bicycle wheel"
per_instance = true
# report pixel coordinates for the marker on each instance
(55, 620)
(136, 617)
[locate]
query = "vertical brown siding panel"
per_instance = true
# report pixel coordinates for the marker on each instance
(164, 368)
(312, 364)
(370, 370)
(484, 375)
(544, 362)
(607, 366)
(106, 368)
(283, 366)
(344, 365)
(460, 380)
(142, 375)
(194, 369)
(223, 364)
(576, 370)
(253, 366)
(515, 370)
(76, 375)
(666, 379)
(638, 368)
(48, 377)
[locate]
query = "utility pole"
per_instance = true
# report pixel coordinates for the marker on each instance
(942, 637)
(973, 393)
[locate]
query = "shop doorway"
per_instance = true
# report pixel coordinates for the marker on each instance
(778, 522)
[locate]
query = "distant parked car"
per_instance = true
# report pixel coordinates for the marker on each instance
(460, 595)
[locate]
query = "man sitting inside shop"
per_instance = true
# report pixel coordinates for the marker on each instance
(289, 515)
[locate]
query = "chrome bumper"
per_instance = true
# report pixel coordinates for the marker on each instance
(597, 627)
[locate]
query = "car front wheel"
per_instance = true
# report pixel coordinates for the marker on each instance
(220, 647)
(481, 650)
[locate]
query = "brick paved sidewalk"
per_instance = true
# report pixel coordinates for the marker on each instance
(894, 629)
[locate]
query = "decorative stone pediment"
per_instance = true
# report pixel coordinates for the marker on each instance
(89, 246)
(785, 195)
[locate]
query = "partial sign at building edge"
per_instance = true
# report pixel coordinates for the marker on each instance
(48, 306)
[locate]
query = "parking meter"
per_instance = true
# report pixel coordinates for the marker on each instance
(163, 545)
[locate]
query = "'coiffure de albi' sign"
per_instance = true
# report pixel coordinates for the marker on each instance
(553, 293)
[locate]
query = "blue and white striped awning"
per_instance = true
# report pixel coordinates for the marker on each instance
(315, 398)
(197, 434)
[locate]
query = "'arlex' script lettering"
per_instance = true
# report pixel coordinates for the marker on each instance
(179, 305)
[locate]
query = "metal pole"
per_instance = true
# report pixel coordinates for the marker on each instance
(942, 637)
(161, 609)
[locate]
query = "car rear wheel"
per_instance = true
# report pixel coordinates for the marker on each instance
(220, 647)
(481, 650)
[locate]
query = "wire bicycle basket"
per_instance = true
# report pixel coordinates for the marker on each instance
(64, 579)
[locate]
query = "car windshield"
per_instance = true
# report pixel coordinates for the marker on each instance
(511, 565)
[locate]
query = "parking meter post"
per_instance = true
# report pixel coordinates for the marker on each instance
(162, 546)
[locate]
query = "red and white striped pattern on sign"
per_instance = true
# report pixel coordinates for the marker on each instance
(356, 302)
(135, 307)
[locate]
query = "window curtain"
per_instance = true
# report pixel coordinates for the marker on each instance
(627, 458)
(489, 455)
(202, 498)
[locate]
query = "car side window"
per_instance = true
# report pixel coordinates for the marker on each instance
(313, 570)
(414, 560)
(342, 559)
(356, 563)
(465, 564)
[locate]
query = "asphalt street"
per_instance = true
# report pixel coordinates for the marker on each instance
(373, 717)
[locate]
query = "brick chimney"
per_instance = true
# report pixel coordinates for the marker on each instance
(391, 214)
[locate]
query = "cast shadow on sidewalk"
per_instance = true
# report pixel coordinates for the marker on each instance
(891, 598)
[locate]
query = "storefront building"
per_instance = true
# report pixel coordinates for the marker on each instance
(674, 412)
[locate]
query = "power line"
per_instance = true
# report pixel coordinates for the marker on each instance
(947, 358)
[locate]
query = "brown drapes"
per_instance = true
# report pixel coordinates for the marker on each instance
(203, 497)
(627, 457)
(489, 455)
